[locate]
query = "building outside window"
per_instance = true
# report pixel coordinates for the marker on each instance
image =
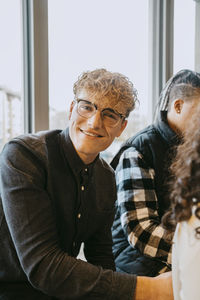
(11, 104)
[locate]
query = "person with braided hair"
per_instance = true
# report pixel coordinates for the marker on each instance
(184, 214)
(140, 243)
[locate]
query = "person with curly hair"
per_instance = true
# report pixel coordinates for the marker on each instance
(184, 214)
(141, 245)
(57, 193)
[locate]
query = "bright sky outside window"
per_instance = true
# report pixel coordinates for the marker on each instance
(184, 34)
(84, 35)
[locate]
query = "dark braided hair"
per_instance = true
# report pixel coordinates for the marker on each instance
(183, 84)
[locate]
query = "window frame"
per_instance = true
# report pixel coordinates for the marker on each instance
(35, 42)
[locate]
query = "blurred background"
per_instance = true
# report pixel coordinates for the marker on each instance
(46, 44)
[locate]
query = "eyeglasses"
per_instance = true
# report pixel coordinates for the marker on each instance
(88, 109)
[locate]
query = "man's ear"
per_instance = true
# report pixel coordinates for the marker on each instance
(123, 126)
(71, 108)
(178, 105)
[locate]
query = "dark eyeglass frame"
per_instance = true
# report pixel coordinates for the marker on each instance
(77, 100)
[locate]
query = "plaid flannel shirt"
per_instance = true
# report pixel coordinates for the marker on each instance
(138, 206)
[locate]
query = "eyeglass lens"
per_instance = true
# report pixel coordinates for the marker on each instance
(87, 110)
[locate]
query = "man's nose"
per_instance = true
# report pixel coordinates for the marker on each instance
(96, 120)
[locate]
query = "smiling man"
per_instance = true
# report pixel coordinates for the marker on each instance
(57, 193)
(94, 125)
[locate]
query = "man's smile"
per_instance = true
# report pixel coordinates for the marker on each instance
(90, 133)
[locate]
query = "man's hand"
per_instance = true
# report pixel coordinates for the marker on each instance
(154, 288)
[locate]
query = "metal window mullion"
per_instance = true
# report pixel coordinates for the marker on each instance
(168, 40)
(35, 36)
(153, 85)
(41, 80)
(160, 47)
(28, 65)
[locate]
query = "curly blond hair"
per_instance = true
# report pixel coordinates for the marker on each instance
(114, 86)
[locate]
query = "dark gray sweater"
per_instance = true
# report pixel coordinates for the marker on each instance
(50, 203)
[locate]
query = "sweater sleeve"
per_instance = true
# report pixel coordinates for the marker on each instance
(32, 225)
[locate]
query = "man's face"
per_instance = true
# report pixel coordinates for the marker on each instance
(90, 135)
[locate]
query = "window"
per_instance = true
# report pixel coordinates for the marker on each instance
(85, 35)
(184, 34)
(11, 108)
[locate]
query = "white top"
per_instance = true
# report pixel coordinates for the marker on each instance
(186, 261)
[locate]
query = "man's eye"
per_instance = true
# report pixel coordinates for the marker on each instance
(87, 107)
(110, 115)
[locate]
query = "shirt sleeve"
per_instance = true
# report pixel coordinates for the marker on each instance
(138, 206)
(32, 225)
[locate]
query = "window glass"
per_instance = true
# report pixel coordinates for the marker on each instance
(11, 121)
(85, 35)
(184, 34)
